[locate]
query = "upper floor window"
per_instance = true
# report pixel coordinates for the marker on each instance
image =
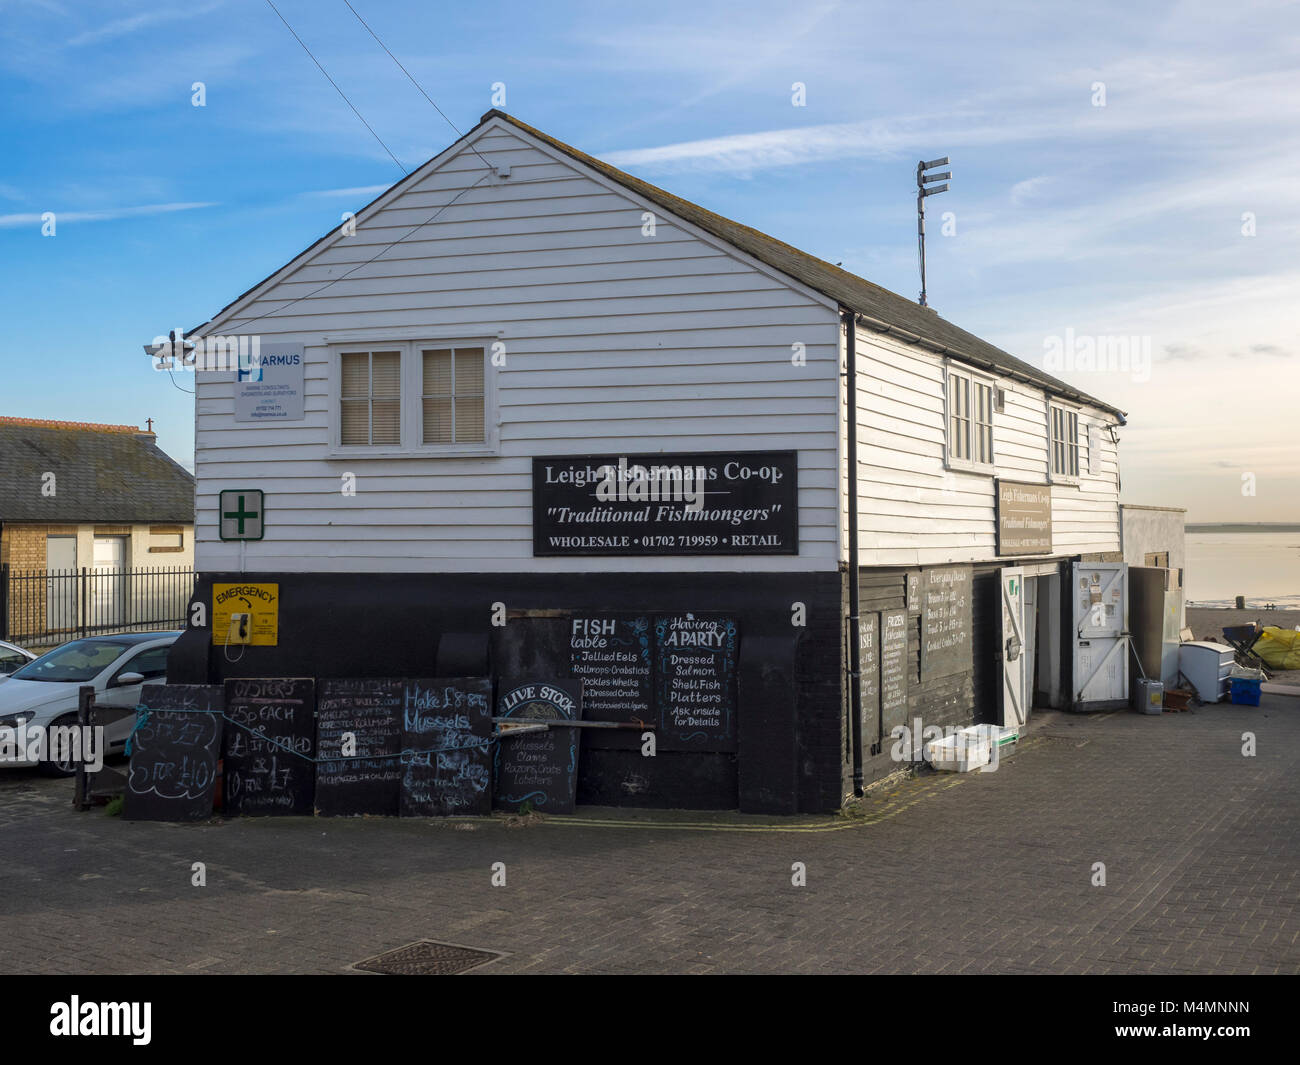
(370, 399)
(452, 408)
(1065, 441)
(412, 398)
(970, 421)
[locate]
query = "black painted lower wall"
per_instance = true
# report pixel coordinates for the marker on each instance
(791, 699)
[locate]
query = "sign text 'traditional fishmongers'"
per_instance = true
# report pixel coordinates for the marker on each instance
(700, 503)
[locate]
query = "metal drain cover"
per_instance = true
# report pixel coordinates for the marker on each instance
(427, 958)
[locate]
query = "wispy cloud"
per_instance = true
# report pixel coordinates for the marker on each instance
(356, 190)
(110, 214)
(135, 23)
(1030, 189)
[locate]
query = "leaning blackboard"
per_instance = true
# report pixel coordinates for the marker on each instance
(945, 621)
(174, 752)
(446, 747)
(540, 768)
(695, 659)
(270, 745)
(358, 744)
(893, 670)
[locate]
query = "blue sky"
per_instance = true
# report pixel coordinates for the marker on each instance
(1071, 219)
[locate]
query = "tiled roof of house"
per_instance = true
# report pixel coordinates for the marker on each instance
(102, 473)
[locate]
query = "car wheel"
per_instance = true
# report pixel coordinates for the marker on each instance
(62, 766)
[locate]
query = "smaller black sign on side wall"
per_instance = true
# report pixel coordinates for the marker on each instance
(1024, 519)
(945, 621)
(698, 503)
(869, 655)
(893, 670)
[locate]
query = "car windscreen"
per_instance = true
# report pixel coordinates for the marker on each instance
(75, 662)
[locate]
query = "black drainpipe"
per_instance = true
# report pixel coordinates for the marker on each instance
(855, 630)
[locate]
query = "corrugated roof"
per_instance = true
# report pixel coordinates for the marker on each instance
(110, 473)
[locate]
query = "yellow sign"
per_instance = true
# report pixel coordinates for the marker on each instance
(262, 601)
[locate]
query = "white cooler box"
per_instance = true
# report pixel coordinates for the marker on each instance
(1206, 666)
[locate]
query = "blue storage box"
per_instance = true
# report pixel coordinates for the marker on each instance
(1245, 691)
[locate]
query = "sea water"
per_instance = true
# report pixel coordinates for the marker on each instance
(1262, 566)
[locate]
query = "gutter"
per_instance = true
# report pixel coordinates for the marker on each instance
(855, 630)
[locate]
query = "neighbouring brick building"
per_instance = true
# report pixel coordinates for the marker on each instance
(94, 520)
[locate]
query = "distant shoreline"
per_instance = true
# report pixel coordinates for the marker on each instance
(1242, 526)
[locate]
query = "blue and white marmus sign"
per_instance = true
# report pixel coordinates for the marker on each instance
(270, 383)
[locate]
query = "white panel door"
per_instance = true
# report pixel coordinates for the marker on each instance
(61, 584)
(1012, 582)
(106, 595)
(1101, 651)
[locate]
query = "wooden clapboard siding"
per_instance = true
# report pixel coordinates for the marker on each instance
(914, 511)
(616, 342)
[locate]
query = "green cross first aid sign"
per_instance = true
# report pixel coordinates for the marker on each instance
(241, 514)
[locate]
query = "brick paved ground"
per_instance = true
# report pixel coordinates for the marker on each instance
(979, 873)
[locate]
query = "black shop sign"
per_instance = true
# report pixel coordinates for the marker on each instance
(699, 503)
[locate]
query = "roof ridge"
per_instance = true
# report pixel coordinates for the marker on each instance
(95, 427)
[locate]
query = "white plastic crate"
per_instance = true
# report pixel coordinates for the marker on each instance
(959, 753)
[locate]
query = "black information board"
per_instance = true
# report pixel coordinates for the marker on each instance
(945, 621)
(358, 744)
(612, 654)
(695, 682)
(446, 747)
(540, 768)
(893, 670)
(869, 655)
(269, 746)
(698, 503)
(174, 752)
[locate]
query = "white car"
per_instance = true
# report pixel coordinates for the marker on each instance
(43, 693)
(12, 657)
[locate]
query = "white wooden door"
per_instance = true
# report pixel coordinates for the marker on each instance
(61, 583)
(106, 582)
(1012, 582)
(1101, 652)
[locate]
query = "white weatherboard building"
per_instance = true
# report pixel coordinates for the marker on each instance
(515, 317)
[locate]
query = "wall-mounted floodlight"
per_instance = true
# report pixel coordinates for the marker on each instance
(924, 188)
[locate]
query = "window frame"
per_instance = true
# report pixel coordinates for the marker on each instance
(1067, 410)
(410, 348)
(972, 378)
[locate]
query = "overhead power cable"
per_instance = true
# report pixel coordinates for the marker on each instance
(336, 87)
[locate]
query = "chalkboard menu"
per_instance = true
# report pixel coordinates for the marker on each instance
(446, 747)
(612, 654)
(174, 752)
(869, 662)
(358, 742)
(705, 503)
(893, 669)
(695, 684)
(269, 746)
(945, 621)
(540, 768)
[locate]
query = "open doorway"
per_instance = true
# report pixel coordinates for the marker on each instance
(1031, 641)
(1046, 625)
